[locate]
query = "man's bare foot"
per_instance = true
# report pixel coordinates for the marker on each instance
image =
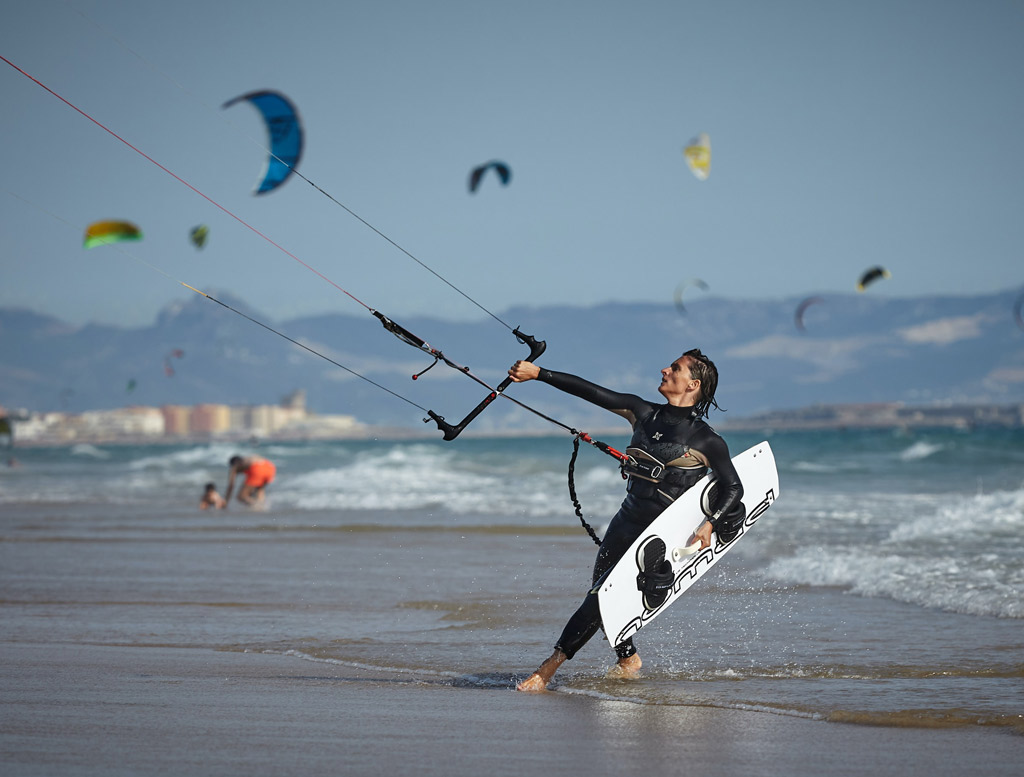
(626, 668)
(532, 684)
(539, 680)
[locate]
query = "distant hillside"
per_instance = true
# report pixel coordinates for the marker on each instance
(855, 348)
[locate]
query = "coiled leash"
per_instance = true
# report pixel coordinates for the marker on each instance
(601, 446)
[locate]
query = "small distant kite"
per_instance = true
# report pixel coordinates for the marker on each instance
(198, 235)
(698, 156)
(284, 131)
(798, 316)
(176, 353)
(678, 295)
(478, 172)
(104, 232)
(872, 275)
(130, 387)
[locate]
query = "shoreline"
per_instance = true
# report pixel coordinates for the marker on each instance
(124, 709)
(764, 426)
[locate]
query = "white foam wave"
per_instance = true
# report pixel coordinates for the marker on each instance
(979, 516)
(216, 454)
(920, 450)
(972, 584)
(429, 478)
(418, 671)
(963, 553)
(814, 466)
(423, 486)
(48, 495)
(91, 451)
(400, 476)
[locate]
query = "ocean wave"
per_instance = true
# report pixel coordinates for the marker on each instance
(476, 478)
(91, 451)
(814, 466)
(978, 584)
(425, 478)
(614, 690)
(54, 496)
(980, 515)
(310, 655)
(920, 450)
(216, 454)
(1008, 671)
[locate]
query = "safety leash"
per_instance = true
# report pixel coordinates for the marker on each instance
(572, 471)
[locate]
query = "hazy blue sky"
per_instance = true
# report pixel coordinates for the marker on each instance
(844, 134)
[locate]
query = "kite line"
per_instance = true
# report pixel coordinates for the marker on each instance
(451, 431)
(291, 167)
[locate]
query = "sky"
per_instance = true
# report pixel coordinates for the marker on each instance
(844, 135)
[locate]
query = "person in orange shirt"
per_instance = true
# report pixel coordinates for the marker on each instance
(259, 473)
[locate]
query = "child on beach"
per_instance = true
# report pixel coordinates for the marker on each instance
(211, 498)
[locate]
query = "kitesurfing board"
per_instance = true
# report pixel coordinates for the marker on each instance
(623, 611)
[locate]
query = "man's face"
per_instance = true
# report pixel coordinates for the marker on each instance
(676, 378)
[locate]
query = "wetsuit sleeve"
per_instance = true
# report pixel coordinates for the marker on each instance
(623, 404)
(730, 489)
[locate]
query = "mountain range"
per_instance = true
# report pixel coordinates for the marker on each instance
(852, 349)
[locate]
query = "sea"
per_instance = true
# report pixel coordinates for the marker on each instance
(885, 585)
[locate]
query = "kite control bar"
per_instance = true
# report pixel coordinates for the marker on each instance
(451, 432)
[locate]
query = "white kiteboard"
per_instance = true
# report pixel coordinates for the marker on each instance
(624, 607)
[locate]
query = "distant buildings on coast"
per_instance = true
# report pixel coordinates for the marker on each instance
(287, 420)
(882, 415)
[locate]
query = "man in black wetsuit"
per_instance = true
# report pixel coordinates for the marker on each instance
(671, 449)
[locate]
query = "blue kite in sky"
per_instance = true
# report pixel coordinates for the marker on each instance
(285, 132)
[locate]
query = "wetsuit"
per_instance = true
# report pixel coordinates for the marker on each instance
(672, 448)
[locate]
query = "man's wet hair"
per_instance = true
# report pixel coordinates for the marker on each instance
(704, 370)
(234, 460)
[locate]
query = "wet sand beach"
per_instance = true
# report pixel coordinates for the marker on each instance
(350, 630)
(111, 710)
